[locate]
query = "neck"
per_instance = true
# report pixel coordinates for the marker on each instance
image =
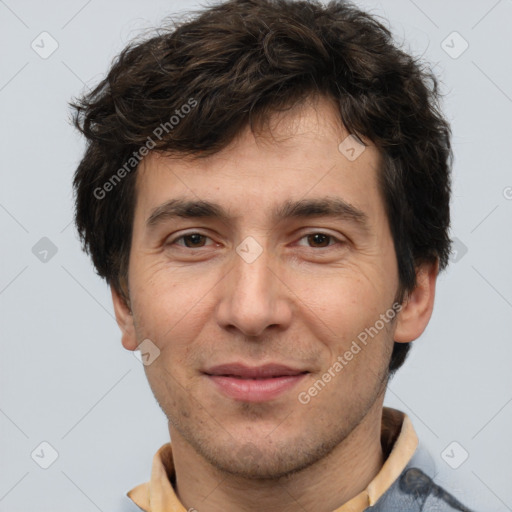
(322, 487)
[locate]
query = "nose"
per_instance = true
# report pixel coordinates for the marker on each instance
(253, 297)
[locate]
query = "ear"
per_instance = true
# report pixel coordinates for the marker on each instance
(418, 305)
(124, 318)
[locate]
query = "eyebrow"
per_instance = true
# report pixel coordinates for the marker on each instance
(334, 207)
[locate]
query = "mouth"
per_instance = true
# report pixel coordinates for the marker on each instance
(254, 384)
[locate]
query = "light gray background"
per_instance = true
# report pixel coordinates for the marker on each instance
(64, 376)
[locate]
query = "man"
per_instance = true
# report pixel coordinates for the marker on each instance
(266, 189)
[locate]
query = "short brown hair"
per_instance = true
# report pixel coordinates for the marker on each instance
(236, 63)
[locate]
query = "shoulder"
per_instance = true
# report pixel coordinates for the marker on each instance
(416, 490)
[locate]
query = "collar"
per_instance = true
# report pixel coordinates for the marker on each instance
(399, 442)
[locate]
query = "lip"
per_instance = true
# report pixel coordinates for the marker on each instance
(254, 384)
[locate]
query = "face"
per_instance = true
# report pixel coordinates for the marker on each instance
(277, 294)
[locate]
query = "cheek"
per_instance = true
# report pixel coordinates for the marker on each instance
(166, 295)
(343, 302)
(173, 305)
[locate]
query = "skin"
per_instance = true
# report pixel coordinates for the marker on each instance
(301, 303)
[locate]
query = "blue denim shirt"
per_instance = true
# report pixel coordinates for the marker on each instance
(415, 490)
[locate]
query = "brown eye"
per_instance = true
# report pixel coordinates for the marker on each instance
(191, 240)
(195, 240)
(319, 239)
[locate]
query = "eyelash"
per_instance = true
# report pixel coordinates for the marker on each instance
(332, 237)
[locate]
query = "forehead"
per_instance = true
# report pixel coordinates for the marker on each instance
(302, 153)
